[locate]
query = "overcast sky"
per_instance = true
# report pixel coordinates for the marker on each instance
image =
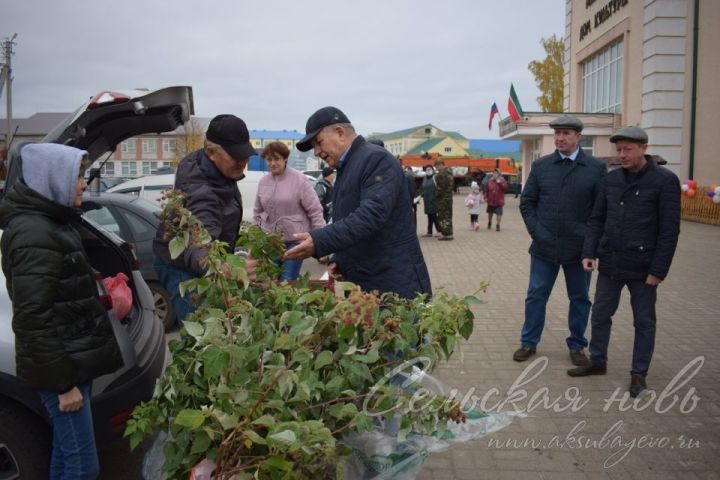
(388, 64)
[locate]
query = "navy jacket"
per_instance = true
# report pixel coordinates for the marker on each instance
(373, 232)
(213, 199)
(556, 203)
(635, 223)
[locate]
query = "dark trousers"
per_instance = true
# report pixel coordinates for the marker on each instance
(432, 220)
(642, 300)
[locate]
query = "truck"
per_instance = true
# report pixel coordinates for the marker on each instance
(467, 169)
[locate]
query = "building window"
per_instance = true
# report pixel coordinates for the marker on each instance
(148, 145)
(603, 79)
(448, 149)
(128, 146)
(128, 169)
(108, 169)
(588, 144)
(149, 168)
(169, 145)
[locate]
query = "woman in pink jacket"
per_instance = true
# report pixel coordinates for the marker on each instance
(286, 203)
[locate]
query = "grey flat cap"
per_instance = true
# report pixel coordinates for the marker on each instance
(635, 134)
(567, 121)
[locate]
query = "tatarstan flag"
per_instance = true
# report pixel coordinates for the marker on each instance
(513, 106)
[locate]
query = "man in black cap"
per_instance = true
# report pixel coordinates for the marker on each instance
(208, 178)
(634, 230)
(324, 190)
(372, 234)
(555, 205)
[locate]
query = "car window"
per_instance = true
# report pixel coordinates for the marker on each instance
(142, 229)
(130, 191)
(157, 187)
(103, 217)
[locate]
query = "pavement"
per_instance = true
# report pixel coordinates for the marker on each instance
(581, 428)
(574, 428)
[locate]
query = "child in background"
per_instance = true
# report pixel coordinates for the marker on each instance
(472, 202)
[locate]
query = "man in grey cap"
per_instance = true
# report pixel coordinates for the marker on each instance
(555, 205)
(634, 230)
(372, 234)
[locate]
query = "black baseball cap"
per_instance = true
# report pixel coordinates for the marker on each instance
(231, 133)
(324, 117)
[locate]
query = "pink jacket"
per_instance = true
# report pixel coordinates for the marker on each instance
(287, 204)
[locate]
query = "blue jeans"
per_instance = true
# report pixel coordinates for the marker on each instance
(290, 268)
(642, 300)
(73, 452)
(542, 280)
(170, 277)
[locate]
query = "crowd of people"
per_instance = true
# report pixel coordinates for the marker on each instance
(361, 216)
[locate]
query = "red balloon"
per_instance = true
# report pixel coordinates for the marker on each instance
(690, 192)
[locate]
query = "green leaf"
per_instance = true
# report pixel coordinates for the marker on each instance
(254, 437)
(228, 421)
(286, 436)
(201, 442)
(472, 300)
(265, 421)
(190, 418)
(371, 357)
(177, 246)
(215, 361)
(323, 358)
(277, 463)
(310, 297)
(364, 422)
(194, 329)
(466, 327)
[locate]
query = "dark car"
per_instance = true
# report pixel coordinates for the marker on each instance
(25, 433)
(134, 220)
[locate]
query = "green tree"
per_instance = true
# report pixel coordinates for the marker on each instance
(549, 75)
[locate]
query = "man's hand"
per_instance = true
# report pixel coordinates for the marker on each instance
(70, 401)
(250, 267)
(589, 264)
(334, 272)
(305, 249)
(652, 280)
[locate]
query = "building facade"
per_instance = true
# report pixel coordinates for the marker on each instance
(652, 62)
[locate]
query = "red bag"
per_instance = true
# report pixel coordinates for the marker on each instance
(120, 294)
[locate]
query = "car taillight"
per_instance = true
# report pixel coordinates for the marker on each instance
(121, 417)
(105, 299)
(130, 248)
(107, 97)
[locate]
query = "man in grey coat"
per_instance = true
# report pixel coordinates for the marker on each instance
(555, 205)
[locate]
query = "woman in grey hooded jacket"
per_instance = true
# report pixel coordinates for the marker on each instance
(63, 335)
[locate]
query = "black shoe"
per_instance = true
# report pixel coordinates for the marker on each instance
(489, 226)
(577, 357)
(497, 228)
(637, 385)
(589, 369)
(446, 237)
(523, 353)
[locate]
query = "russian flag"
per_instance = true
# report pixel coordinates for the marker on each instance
(493, 111)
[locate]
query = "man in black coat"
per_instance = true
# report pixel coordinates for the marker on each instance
(373, 233)
(555, 204)
(208, 177)
(634, 230)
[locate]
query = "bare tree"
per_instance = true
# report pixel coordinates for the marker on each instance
(189, 138)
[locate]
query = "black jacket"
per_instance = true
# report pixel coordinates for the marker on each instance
(63, 335)
(556, 203)
(373, 232)
(213, 199)
(635, 224)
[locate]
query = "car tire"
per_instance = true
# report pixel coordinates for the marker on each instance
(25, 443)
(163, 305)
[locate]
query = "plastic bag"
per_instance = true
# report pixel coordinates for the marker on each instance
(120, 294)
(154, 459)
(378, 454)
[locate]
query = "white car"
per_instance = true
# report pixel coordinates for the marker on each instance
(152, 186)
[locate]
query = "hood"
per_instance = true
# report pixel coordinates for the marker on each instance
(52, 170)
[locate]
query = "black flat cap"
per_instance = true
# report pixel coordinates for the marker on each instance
(231, 133)
(324, 117)
(567, 121)
(635, 134)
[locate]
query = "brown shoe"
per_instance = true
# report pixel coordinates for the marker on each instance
(578, 357)
(589, 369)
(637, 384)
(523, 353)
